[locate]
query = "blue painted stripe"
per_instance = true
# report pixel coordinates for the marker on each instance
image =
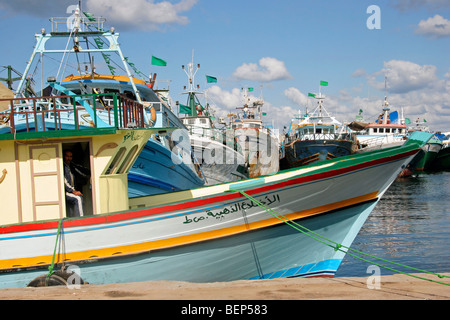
(326, 267)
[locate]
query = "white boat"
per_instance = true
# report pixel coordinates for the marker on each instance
(383, 133)
(219, 157)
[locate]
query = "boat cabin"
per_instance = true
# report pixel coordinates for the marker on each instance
(32, 167)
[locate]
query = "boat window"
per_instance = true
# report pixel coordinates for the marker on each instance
(115, 161)
(130, 95)
(381, 130)
(318, 130)
(125, 164)
(388, 130)
(375, 130)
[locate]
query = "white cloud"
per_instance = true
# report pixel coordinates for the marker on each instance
(436, 27)
(147, 15)
(404, 76)
(414, 88)
(296, 96)
(269, 69)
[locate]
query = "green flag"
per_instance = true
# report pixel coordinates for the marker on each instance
(210, 79)
(184, 109)
(158, 62)
(323, 83)
(250, 89)
(311, 95)
(407, 121)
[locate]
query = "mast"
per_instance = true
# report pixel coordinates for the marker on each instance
(192, 100)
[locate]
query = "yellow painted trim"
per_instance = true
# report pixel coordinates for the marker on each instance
(103, 77)
(182, 240)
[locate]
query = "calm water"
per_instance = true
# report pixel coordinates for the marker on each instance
(410, 225)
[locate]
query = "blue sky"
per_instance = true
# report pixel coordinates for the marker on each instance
(287, 46)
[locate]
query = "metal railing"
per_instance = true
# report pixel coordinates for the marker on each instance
(72, 112)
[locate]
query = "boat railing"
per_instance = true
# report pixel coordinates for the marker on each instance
(325, 136)
(83, 24)
(72, 112)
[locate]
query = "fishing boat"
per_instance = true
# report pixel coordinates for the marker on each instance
(424, 160)
(259, 144)
(316, 136)
(259, 228)
(165, 163)
(218, 155)
(387, 131)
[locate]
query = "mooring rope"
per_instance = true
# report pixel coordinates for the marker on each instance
(51, 267)
(337, 246)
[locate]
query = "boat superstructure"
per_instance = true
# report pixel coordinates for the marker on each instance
(80, 43)
(316, 136)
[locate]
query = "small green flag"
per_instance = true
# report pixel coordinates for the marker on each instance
(424, 120)
(264, 114)
(158, 62)
(210, 79)
(407, 121)
(184, 109)
(250, 89)
(311, 95)
(323, 83)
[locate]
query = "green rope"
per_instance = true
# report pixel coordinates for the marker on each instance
(51, 267)
(337, 246)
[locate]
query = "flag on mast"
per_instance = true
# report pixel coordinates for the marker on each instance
(158, 62)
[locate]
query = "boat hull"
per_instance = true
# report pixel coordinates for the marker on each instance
(260, 149)
(218, 162)
(442, 160)
(158, 170)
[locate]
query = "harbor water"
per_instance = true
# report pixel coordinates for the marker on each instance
(410, 226)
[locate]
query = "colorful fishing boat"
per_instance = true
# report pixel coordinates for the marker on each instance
(165, 163)
(259, 144)
(316, 136)
(218, 155)
(247, 229)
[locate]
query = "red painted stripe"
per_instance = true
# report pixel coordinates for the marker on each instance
(196, 203)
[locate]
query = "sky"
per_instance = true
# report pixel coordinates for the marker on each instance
(282, 49)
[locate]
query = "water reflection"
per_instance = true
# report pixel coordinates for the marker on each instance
(409, 226)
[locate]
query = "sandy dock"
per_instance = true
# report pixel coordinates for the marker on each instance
(392, 287)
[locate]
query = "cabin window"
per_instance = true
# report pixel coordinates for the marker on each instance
(318, 130)
(388, 130)
(116, 160)
(125, 164)
(381, 130)
(375, 130)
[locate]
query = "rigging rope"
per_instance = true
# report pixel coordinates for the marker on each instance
(340, 247)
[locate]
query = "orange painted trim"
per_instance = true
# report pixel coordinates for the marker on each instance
(182, 240)
(102, 77)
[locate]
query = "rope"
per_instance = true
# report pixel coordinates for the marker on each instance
(51, 267)
(336, 246)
